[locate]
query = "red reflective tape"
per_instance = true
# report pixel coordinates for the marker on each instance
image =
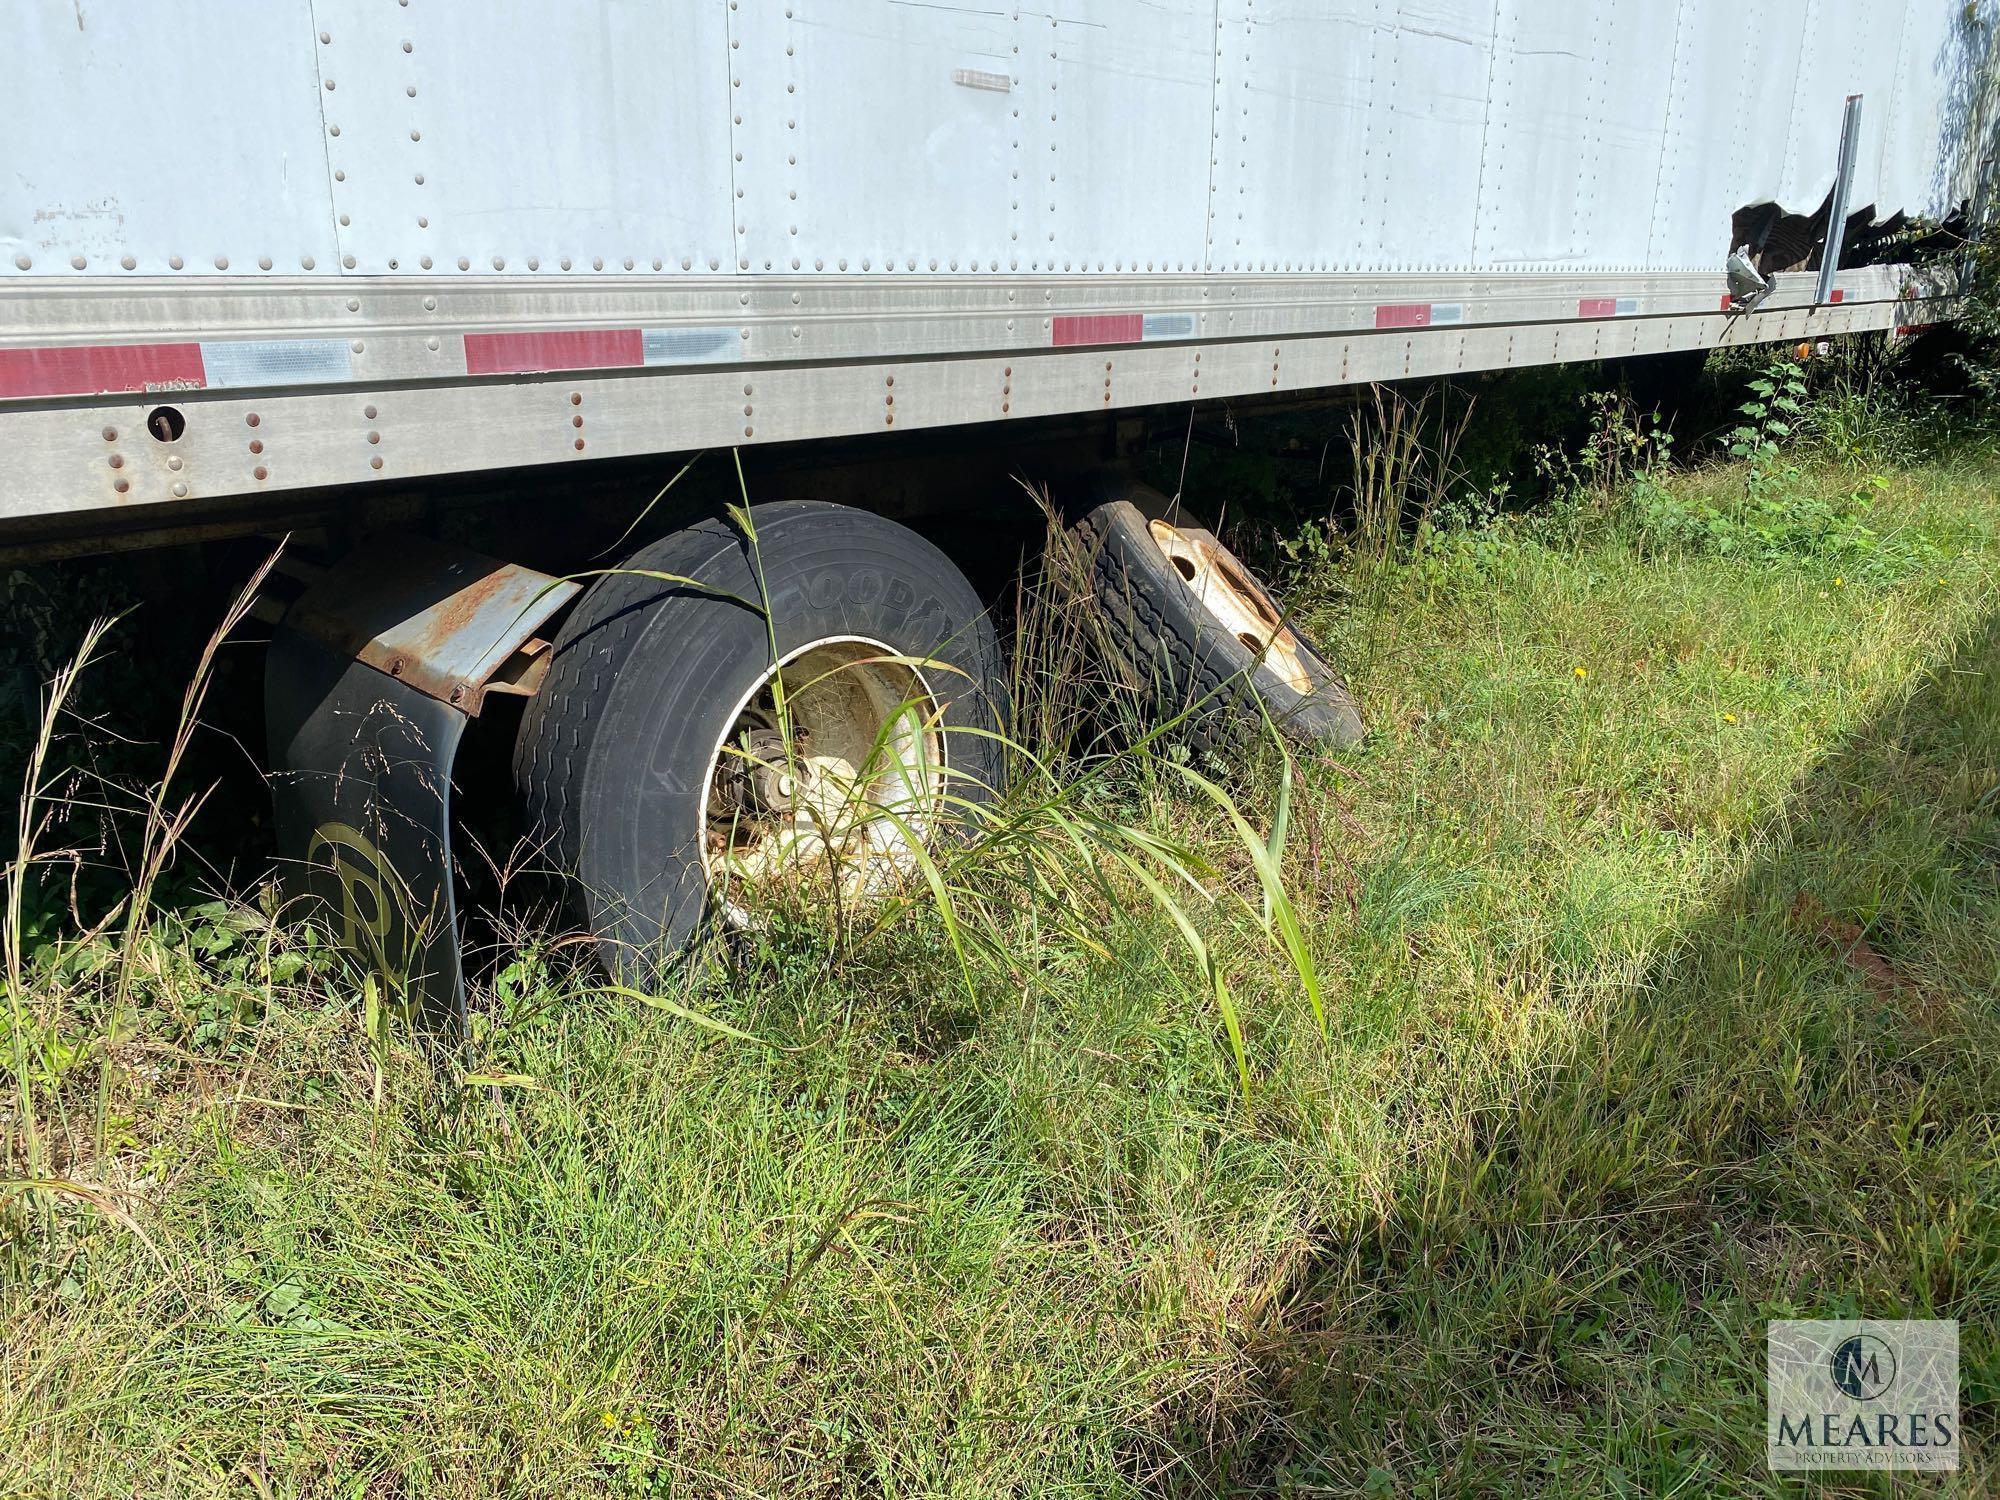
(1597, 307)
(1728, 302)
(1100, 328)
(1403, 315)
(1839, 295)
(569, 349)
(93, 369)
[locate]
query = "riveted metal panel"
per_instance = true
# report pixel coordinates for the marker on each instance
(1431, 61)
(1291, 161)
(1274, 334)
(1537, 143)
(149, 138)
(1843, 57)
(451, 328)
(871, 135)
(1115, 112)
(526, 137)
(1911, 173)
(1632, 74)
(1726, 130)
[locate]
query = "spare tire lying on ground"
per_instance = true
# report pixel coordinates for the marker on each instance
(1193, 633)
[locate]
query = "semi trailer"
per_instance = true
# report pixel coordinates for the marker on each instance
(266, 262)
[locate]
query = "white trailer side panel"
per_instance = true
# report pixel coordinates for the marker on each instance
(522, 135)
(806, 145)
(148, 139)
(1720, 145)
(1299, 81)
(829, 137)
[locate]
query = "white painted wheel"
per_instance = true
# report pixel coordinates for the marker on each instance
(831, 774)
(1233, 597)
(654, 763)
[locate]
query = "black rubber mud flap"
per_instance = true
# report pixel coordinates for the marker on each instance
(363, 800)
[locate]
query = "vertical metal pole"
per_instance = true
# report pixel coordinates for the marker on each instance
(1843, 179)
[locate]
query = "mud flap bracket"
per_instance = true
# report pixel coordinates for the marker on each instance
(371, 678)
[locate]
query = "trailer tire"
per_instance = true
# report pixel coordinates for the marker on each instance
(617, 751)
(1182, 654)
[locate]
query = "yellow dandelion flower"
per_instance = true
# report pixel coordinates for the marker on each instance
(1839, 582)
(610, 1421)
(1729, 718)
(1581, 673)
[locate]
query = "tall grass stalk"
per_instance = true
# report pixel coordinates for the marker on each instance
(164, 824)
(1405, 467)
(34, 810)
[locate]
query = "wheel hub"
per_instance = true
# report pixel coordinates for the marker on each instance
(832, 771)
(1228, 593)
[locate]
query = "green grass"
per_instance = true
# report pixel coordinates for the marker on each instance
(1601, 1090)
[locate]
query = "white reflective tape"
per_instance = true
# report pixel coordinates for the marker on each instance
(1447, 312)
(1627, 306)
(687, 346)
(236, 363)
(1167, 326)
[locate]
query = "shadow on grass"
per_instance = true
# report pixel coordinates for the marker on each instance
(1788, 1112)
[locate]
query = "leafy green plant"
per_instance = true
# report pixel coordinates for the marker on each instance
(1770, 415)
(1583, 486)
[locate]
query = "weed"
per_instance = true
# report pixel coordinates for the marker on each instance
(1595, 1089)
(1404, 470)
(1621, 447)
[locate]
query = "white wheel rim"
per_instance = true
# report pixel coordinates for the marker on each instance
(1233, 598)
(839, 805)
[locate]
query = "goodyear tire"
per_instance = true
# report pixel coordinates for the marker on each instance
(1194, 634)
(625, 752)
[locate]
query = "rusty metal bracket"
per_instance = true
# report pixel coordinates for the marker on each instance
(370, 680)
(441, 618)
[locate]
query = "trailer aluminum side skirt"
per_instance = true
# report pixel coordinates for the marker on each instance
(298, 385)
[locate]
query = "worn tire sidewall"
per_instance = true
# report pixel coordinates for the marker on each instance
(828, 572)
(1137, 562)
